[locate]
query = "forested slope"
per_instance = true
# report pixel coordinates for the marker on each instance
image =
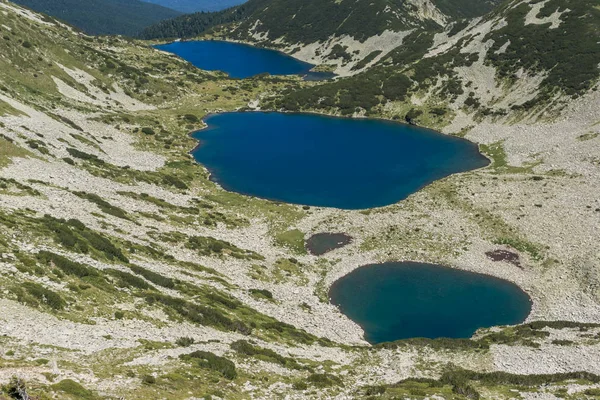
(103, 17)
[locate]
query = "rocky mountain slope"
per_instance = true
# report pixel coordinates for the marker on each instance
(126, 273)
(304, 22)
(103, 17)
(521, 59)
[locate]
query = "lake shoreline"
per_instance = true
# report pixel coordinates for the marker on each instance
(281, 63)
(362, 278)
(419, 155)
(576, 309)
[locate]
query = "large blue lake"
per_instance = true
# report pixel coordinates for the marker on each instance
(395, 301)
(324, 161)
(239, 60)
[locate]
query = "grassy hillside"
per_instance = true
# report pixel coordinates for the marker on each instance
(103, 17)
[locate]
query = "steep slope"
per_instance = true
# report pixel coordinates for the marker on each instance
(306, 21)
(302, 21)
(338, 33)
(103, 17)
(192, 6)
(524, 58)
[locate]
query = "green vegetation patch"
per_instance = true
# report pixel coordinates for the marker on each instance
(505, 378)
(104, 205)
(246, 348)
(292, 239)
(65, 265)
(9, 150)
(74, 235)
(457, 383)
(436, 344)
(569, 54)
(82, 155)
(587, 136)
(198, 314)
(205, 359)
(261, 294)
(41, 295)
(207, 246)
(153, 277)
(324, 380)
(127, 280)
(74, 390)
(367, 60)
(521, 245)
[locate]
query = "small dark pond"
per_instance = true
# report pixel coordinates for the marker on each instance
(321, 243)
(400, 300)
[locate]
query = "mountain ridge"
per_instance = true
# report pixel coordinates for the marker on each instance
(306, 21)
(103, 17)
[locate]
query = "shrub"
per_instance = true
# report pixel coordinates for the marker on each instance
(17, 389)
(294, 333)
(262, 293)
(148, 380)
(27, 44)
(45, 296)
(148, 131)
(65, 265)
(213, 362)
(244, 347)
(105, 206)
(440, 343)
(208, 245)
(198, 314)
(74, 389)
(466, 390)
(175, 182)
(438, 111)
(128, 280)
(324, 380)
(191, 118)
(84, 156)
(365, 61)
(300, 385)
(504, 378)
(184, 341)
(375, 390)
(412, 114)
(153, 277)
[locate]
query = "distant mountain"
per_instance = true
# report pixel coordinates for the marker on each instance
(307, 21)
(190, 25)
(103, 17)
(192, 6)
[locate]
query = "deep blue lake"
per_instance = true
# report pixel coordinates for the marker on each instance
(395, 301)
(325, 161)
(239, 60)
